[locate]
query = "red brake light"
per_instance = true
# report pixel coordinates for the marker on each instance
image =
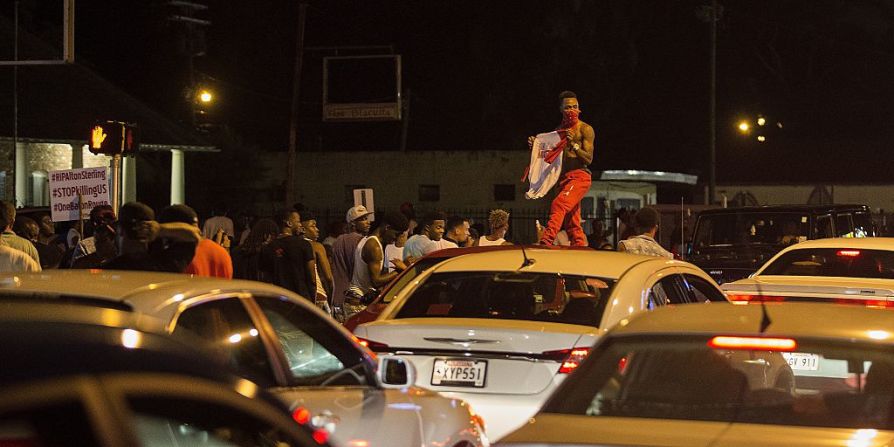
(570, 358)
(745, 298)
(875, 304)
(754, 343)
(849, 253)
(321, 436)
(301, 415)
(622, 364)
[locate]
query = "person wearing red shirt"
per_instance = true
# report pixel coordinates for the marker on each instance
(210, 258)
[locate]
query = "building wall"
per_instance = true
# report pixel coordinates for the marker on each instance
(40, 158)
(465, 179)
(877, 196)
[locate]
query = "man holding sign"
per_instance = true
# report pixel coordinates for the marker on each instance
(574, 150)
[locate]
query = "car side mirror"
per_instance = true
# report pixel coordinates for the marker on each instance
(396, 372)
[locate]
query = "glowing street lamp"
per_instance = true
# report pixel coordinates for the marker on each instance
(205, 96)
(744, 126)
(761, 121)
(761, 138)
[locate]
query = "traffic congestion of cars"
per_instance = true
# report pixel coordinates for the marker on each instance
(507, 345)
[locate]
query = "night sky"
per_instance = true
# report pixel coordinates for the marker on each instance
(483, 75)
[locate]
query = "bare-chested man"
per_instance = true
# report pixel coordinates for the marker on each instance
(577, 154)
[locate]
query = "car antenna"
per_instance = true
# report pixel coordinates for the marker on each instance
(765, 317)
(528, 261)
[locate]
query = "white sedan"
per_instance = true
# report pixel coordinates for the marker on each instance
(844, 270)
(696, 376)
(502, 329)
(280, 341)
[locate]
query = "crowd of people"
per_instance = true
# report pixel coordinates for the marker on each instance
(339, 273)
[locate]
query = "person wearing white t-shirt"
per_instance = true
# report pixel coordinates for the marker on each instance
(395, 250)
(498, 220)
(422, 244)
(457, 233)
(15, 261)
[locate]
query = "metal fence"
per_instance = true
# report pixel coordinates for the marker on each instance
(522, 222)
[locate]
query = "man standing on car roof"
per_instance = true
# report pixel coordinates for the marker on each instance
(576, 145)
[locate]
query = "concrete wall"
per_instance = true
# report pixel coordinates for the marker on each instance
(466, 179)
(877, 196)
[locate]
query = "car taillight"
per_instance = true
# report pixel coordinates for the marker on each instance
(753, 343)
(301, 415)
(738, 298)
(849, 253)
(570, 358)
(321, 436)
(876, 304)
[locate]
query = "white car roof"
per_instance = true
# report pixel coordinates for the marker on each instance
(146, 292)
(605, 264)
(812, 320)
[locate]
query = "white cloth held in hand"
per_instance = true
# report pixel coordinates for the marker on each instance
(542, 175)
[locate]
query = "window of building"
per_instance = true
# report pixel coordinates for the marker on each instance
(504, 193)
(40, 191)
(429, 193)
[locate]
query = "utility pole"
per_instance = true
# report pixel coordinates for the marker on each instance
(296, 105)
(712, 13)
(712, 151)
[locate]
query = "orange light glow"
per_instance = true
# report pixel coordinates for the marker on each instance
(746, 298)
(301, 415)
(755, 343)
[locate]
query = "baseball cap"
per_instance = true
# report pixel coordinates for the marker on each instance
(357, 212)
(178, 213)
(134, 212)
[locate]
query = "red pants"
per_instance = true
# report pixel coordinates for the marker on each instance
(565, 209)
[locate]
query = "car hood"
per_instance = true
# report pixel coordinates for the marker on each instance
(360, 415)
(556, 429)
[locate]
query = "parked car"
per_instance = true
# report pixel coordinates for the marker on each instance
(372, 311)
(843, 270)
(694, 376)
(731, 243)
(76, 375)
(283, 343)
(501, 329)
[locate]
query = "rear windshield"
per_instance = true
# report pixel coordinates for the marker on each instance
(751, 228)
(510, 296)
(834, 262)
(408, 275)
(821, 384)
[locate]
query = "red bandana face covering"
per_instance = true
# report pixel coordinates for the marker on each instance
(570, 118)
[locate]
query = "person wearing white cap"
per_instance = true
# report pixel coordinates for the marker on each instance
(343, 252)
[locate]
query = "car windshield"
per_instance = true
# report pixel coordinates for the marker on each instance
(751, 228)
(834, 262)
(509, 295)
(819, 383)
